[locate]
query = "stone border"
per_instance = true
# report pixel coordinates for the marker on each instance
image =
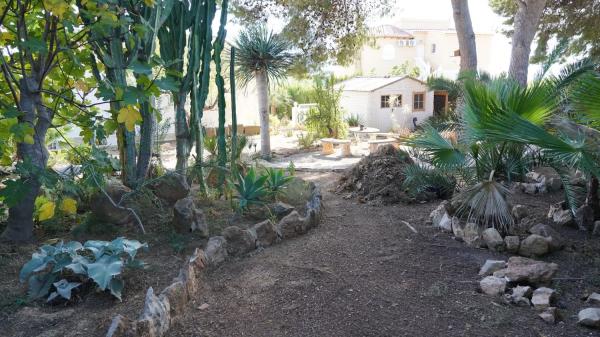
(162, 310)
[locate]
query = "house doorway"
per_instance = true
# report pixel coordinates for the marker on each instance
(440, 102)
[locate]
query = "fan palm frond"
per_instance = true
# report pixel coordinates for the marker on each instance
(442, 152)
(485, 203)
(259, 49)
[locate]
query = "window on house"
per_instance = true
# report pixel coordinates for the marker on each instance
(418, 101)
(385, 101)
(457, 52)
(397, 101)
(433, 48)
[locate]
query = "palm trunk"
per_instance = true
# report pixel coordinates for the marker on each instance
(526, 23)
(466, 36)
(20, 217)
(592, 199)
(262, 89)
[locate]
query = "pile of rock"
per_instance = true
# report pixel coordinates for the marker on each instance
(540, 180)
(540, 239)
(522, 282)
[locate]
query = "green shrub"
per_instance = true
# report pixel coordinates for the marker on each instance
(250, 189)
(58, 269)
(276, 181)
(306, 141)
(326, 120)
(353, 120)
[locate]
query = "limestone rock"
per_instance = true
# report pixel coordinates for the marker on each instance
(216, 250)
(596, 231)
(281, 209)
(549, 315)
(490, 266)
(471, 235)
(170, 187)
(546, 175)
(534, 245)
(493, 239)
(589, 317)
(265, 233)
(554, 184)
(555, 241)
(520, 295)
(122, 326)
(593, 299)
(584, 217)
(512, 243)
(563, 218)
(542, 298)
(177, 296)
(103, 209)
(292, 225)
(155, 320)
(440, 218)
(457, 229)
(492, 285)
(186, 217)
(519, 212)
(239, 241)
(521, 269)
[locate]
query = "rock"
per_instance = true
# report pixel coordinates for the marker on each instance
(589, 317)
(534, 245)
(554, 239)
(239, 241)
(292, 225)
(103, 209)
(596, 231)
(546, 175)
(457, 229)
(492, 285)
(204, 306)
(155, 319)
(493, 239)
(593, 299)
(122, 326)
(512, 243)
(265, 233)
(170, 187)
(563, 218)
(216, 250)
(524, 270)
(187, 218)
(520, 296)
(281, 209)
(490, 266)
(177, 296)
(471, 235)
(532, 188)
(584, 217)
(519, 212)
(440, 218)
(542, 298)
(549, 315)
(554, 184)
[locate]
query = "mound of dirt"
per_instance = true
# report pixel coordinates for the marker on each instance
(378, 178)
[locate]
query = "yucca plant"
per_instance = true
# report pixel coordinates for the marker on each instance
(251, 190)
(264, 57)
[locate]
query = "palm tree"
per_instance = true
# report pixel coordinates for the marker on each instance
(264, 57)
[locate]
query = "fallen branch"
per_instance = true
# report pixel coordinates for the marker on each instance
(409, 226)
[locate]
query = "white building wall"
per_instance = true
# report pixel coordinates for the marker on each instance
(367, 105)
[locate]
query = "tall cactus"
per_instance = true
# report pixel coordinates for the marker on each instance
(219, 44)
(234, 142)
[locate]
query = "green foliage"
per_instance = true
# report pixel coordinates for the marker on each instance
(259, 49)
(405, 69)
(420, 179)
(58, 269)
(353, 120)
(276, 181)
(251, 189)
(306, 140)
(326, 120)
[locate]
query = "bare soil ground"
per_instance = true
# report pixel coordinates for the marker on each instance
(364, 273)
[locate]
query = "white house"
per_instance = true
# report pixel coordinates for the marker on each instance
(390, 103)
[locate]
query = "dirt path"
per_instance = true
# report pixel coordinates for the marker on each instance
(361, 273)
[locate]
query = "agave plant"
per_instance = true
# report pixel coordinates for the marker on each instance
(276, 181)
(251, 189)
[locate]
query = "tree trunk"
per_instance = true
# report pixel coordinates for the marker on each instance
(525, 27)
(182, 134)
(592, 198)
(262, 89)
(20, 217)
(466, 36)
(146, 141)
